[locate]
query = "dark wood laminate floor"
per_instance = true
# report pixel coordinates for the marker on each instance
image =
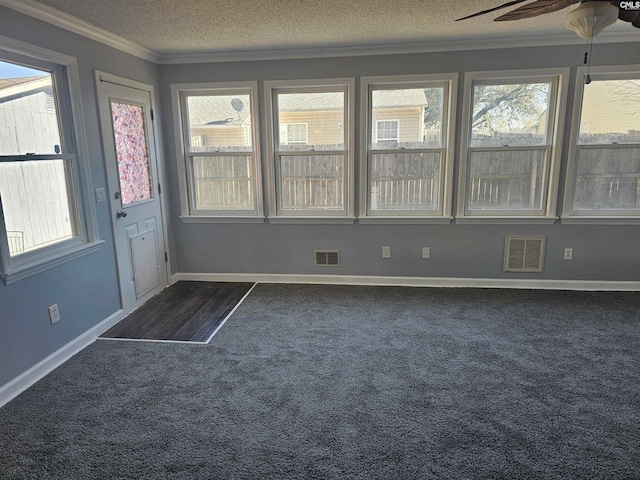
(185, 311)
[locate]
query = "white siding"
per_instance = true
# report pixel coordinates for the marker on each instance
(33, 194)
(28, 125)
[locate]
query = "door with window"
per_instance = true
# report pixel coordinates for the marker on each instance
(134, 189)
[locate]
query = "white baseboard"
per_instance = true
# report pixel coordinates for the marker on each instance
(537, 284)
(19, 384)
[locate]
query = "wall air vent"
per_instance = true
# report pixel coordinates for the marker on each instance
(523, 254)
(326, 258)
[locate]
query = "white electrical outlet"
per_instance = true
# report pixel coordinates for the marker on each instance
(426, 252)
(54, 313)
(568, 253)
(386, 252)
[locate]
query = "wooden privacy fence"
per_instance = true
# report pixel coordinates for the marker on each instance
(506, 180)
(608, 178)
(514, 179)
(405, 181)
(312, 182)
(632, 136)
(223, 183)
(501, 139)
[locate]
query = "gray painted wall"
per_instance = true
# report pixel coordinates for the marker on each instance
(86, 289)
(600, 252)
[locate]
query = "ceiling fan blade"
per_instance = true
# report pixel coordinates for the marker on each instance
(628, 15)
(539, 7)
(504, 5)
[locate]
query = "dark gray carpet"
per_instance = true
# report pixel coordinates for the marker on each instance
(338, 382)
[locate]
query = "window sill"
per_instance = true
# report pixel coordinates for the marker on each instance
(39, 265)
(409, 220)
(506, 220)
(593, 220)
(312, 220)
(202, 219)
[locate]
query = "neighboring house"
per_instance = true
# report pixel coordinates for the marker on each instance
(314, 119)
(27, 100)
(306, 119)
(219, 121)
(616, 118)
(398, 115)
(31, 219)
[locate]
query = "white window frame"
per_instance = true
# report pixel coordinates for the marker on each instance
(179, 91)
(71, 121)
(569, 214)
(450, 82)
(397, 137)
(271, 89)
(306, 134)
(559, 83)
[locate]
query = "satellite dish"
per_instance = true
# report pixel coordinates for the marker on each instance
(237, 105)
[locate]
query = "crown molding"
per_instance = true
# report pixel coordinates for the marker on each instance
(433, 46)
(75, 25)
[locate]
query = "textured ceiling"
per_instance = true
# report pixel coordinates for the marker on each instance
(198, 26)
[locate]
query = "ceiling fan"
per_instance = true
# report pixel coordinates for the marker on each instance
(589, 19)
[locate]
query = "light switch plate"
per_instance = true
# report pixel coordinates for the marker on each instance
(101, 195)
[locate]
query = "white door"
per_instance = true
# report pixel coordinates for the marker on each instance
(132, 171)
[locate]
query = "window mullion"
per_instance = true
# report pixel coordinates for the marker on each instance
(599, 146)
(35, 158)
(407, 150)
(516, 148)
(221, 154)
(295, 153)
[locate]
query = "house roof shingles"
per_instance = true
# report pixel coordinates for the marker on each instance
(12, 82)
(203, 110)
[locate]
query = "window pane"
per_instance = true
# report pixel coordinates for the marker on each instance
(406, 118)
(219, 123)
(36, 204)
(608, 178)
(323, 114)
(28, 113)
(312, 182)
(387, 131)
(132, 151)
(610, 112)
(223, 183)
(295, 133)
(510, 114)
(405, 181)
(510, 180)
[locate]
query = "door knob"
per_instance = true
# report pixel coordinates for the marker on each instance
(117, 195)
(121, 214)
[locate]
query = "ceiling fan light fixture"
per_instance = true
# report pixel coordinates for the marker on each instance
(590, 18)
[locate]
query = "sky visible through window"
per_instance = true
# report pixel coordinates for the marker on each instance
(11, 70)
